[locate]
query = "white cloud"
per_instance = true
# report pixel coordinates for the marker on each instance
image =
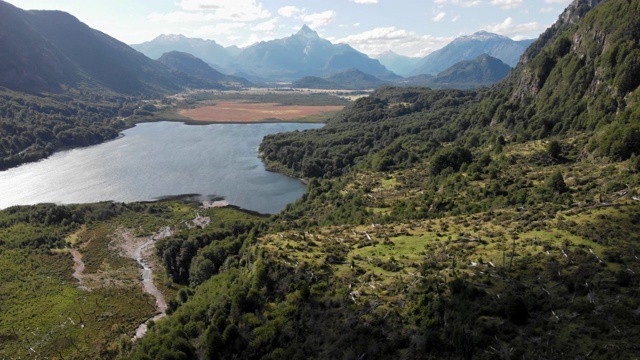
(268, 25)
(318, 20)
(365, 1)
(507, 4)
(440, 16)
(515, 31)
(462, 3)
(236, 10)
(405, 42)
(547, 10)
(290, 11)
(565, 2)
(179, 17)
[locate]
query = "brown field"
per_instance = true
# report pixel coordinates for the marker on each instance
(239, 112)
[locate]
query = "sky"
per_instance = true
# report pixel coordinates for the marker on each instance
(407, 27)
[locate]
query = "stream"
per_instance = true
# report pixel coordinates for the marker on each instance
(149, 287)
(147, 271)
(78, 268)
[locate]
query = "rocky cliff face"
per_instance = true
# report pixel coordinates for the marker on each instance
(529, 80)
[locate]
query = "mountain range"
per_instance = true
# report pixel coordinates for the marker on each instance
(307, 54)
(209, 51)
(468, 48)
(304, 53)
(484, 70)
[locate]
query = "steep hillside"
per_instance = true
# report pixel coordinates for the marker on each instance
(468, 48)
(52, 51)
(580, 75)
(29, 62)
(484, 70)
(192, 66)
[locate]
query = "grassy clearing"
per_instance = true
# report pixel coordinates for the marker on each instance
(73, 238)
(378, 258)
(45, 315)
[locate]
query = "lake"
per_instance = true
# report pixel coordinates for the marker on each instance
(156, 160)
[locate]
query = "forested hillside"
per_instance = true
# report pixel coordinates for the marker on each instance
(392, 128)
(32, 127)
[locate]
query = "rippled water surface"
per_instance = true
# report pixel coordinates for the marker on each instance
(155, 160)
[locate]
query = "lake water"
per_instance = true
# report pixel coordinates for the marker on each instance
(156, 160)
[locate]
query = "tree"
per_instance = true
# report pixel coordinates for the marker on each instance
(556, 183)
(201, 269)
(554, 149)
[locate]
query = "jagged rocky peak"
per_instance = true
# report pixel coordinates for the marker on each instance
(306, 32)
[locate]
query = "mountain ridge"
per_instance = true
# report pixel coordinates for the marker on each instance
(303, 53)
(208, 50)
(197, 68)
(484, 70)
(469, 47)
(63, 52)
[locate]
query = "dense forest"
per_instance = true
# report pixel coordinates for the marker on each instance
(33, 126)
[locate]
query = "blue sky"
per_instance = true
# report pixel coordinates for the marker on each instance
(408, 27)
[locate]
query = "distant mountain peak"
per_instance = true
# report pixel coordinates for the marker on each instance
(481, 35)
(171, 37)
(306, 32)
(388, 53)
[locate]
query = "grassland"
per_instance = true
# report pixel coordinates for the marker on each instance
(250, 105)
(240, 112)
